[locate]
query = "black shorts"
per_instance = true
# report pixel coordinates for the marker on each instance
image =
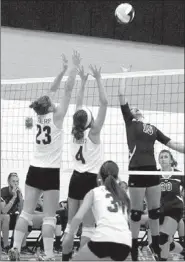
(80, 184)
(143, 180)
(175, 213)
(116, 251)
(43, 178)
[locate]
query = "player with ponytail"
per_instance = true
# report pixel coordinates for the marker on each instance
(86, 151)
(44, 171)
(110, 205)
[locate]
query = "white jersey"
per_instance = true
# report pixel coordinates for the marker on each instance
(112, 224)
(48, 143)
(87, 156)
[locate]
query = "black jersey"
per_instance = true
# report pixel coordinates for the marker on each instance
(170, 192)
(140, 139)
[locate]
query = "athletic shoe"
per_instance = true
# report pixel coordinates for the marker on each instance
(26, 251)
(13, 254)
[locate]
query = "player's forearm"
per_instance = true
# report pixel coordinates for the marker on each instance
(121, 92)
(71, 80)
(102, 93)
(176, 146)
(56, 84)
(80, 95)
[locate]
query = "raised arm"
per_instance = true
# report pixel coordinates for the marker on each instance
(176, 146)
(99, 121)
(127, 115)
(80, 95)
(54, 87)
(170, 143)
(56, 83)
(64, 103)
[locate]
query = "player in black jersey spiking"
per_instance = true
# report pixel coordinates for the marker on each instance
(171, 204)
(141, 138)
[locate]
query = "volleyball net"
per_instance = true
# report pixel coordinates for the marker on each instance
(159, 94)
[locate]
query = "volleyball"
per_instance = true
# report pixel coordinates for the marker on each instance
(124, 13)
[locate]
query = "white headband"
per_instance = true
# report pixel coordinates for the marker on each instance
(89, 116)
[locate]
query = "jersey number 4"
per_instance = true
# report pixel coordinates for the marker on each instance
(47, 133)
(79, 155)
(114, 205)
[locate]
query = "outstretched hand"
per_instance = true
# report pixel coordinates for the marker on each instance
(76, 58)
(96, 73)
(65, 62)
(82, 74)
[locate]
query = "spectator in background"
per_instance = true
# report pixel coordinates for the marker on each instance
(5, 221)
(13, 204)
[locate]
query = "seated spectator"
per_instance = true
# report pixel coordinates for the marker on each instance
(13, 199)
(5, 221)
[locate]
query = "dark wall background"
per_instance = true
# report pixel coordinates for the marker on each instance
(157, 21)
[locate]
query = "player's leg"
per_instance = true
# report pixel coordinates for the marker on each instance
(89, 182)
(181, 232)
(137, 195)
(73, 197)
(153, 196)
(50, 204)
(31, 197)
(167, 230)
(88, 227)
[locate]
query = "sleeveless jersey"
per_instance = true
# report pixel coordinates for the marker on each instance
(48, 143)
(112, 224)
(87, 156)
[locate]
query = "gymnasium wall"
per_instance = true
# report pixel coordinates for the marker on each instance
(156, 21)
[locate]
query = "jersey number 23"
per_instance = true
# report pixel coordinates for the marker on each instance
(47, 135)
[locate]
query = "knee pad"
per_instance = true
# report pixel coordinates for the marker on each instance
(154, 213)
(58, 221)
(87, 231)
(26, 216)
(136, 215)
(163, 238)
(50, 221)
(172, 246)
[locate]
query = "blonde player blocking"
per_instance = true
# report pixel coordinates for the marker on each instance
(87, 155)
(110, 205)
(44, 172)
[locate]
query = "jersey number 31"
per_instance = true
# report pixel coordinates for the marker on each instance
(79, 155)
